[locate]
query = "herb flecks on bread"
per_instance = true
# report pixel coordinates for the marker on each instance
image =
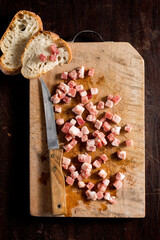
(40, 43)
(22, 27)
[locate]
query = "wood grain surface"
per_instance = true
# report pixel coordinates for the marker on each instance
(136, 22)
(119, 69)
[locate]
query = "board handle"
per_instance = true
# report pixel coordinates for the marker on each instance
(88, 31)
(57, 182)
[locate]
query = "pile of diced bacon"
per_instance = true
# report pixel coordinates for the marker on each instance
(75, 131)
(53, 56)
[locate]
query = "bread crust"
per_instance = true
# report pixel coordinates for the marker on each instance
(56, 40)
(3, 68)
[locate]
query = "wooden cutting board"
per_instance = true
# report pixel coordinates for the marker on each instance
(119, 69)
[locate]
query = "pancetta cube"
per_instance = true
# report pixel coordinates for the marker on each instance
(115, 142)
(98, 134)
(66, 127)
(64, 87)
(84, 100)
(120, 176)
(102, 120)
(101, 186)
(60, 93)
(90, 185)
(72, 92)
(52, 57)
(78, 109)
(74, 174)
(116, 118)
(108, 115)
(121, 154)
(69, 180)
(84, 138)
(66, 99)
(129, 142)
(96, 164)
(92, 195)
(99, 195)
(94, 91)
(73, 122)
(80, 72)
(83, 93)
(98, 142)
(111, 137)
(110, 97)
(81, 184)
(66, 161)
(85, 174)
(91, 118)
(72, 168)
(86, 166)
(80, 120)
(64, 75)
(98, 124)
(91, 108)
(91, 72)
(73, 142)
(60, 121)
(79, 88)
(68, 147)
(73, 74)
(65, 166)
(54, 49)
(100, 105)
(106, 126)
(109, 104)
(57, 109)
(116, 130)
(80, 178)
(91, 148)
(104, 157)
(128, 127)
(117, 184)
(84, 158)
(88, 158)
(74, 131)
(107, 196)
(55, 99)
(80, 134)
(102, 173)
(84, 130)
(71, 84)
(68, 137)
(116, 99)
(43, 57)
(106, 182)
(112, 200)
(91, 142)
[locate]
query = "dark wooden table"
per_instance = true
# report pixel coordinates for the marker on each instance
(136, 22)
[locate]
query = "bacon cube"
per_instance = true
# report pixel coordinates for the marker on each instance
(106, 182)
(102, 187)
(80, 72)
(94, 91)
(66, 127)
(98, 134)
(58, 109)
(54, 49)
(91, 142)
(66, 161)
(129, 143)
(107, 196)
(52, 57)
(92, 195)
(110, 97)
(74, 131)
(86, 166)
(112, 200)
(72, 168)
(108, 115)
(106, 126)
(69, 180)
(111, 137)
(90, 185)
(117, 184)
(80, 134)
(60, 121)
(104, 157)
(98, 124)
(78, 109)
(81, 184)
(72, 92)
(79, 88)
(102, 173)
(128, 127)
(120, 176)
(100, 105)
(98, 142)
(91, 118)
(64, 87)
(66, 99)
(116, 99)
(73, 122)
(83, 93)
(80, 120)
(121, 154)
(84, 100)
(68, 147)
(64, 75)
(99, 195)
(71, 84)
(116, 118)
(65, 166)
(102, 120)
(73, 75)
(91, 148)
(60, 93)
(80, 178)
(84, 138)
(85, 174)
(91, 72)
(109, 104)
(68, 137)
(115, 142)
(43, 57)
(116, 130)
(84, 158)
(84, 130)
(55, 99)
(96, 164)
(91, 108)
(74, 175)
(73, 142)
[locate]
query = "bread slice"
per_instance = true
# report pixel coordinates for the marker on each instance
(22, 27)
(32, 66)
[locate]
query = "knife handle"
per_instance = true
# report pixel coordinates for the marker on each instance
(57, 182)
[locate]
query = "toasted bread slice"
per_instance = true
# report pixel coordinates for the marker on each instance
(22, 27)
(40, 43)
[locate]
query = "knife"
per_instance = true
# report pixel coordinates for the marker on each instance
(55, 156)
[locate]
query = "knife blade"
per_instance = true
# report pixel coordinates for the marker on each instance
(55, 156)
